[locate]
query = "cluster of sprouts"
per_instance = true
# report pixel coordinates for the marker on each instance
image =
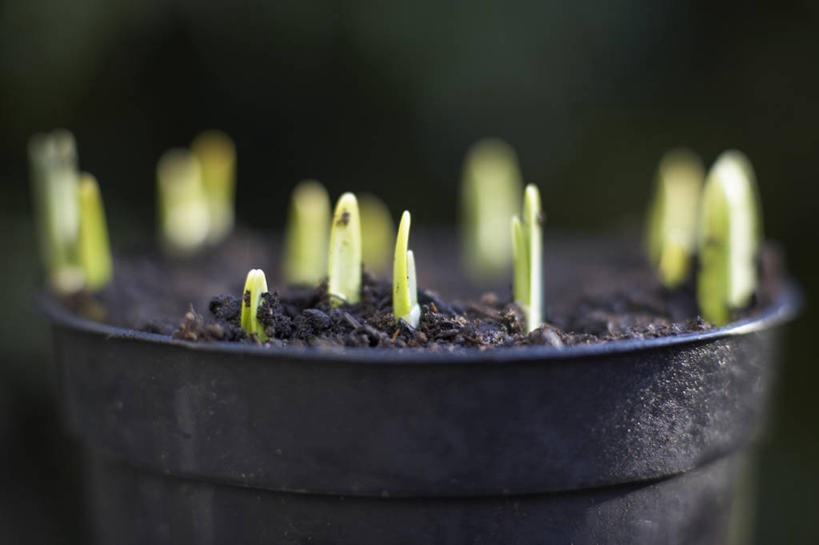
(715, 218)
(71, 226)
(195, 194)
(718, 220)
(344, 253)
(404, 283)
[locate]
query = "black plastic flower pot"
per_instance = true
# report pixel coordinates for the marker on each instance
(620, 442)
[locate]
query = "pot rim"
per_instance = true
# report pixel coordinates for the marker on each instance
(787, 306)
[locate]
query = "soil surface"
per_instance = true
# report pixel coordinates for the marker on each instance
(597, 290)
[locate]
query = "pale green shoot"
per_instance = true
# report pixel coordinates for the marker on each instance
(671, 234)
(54, 176)
(404, 284)
(344, 282)
(94, 248)
(527, 241)
(217, 157)
(377, 230)
(490, 194)
(305, 244)
(184, 217)
(255, 286)
(729, 238)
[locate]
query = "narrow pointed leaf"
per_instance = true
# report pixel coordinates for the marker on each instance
(344, 282)
(216, 154)
(490, 194)
(521, 269)
(255, 286)
(527, 241)
(533, 219)
(184, 217)
(729, 240)
(414, 316)
(93, 245)
(377, 232)
(404, 282)
(671, 230)
(412, 279)
(401, 303)
(54, 177)
(308, 223)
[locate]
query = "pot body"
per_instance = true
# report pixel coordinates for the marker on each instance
(138, 507)
(628, 442)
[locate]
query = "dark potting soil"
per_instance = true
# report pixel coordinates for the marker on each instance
(597, 290)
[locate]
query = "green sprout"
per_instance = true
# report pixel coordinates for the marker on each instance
(404, 284)
(305, 245)
(377, 230)
(54, 177)
(217, 157)
(255, 286)
(730, 236)
(527, 241)
(184, 218)
(671, 234)
(344, 283)
(94, 248)
(490, 193)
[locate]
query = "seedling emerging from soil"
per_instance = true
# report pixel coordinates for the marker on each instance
(490, 195)
(377, 231)
(730, 236)
(671, 234)
(404, 283)
(184, 219)
(305, 245)
(255, 286)
(54, 177)
(94, 248)
(344, 282)
(217, 159)
(527, 239)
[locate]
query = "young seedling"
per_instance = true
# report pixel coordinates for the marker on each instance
(671, 235)
(305, 244)
(527, 241)
(217, 158)
(730, 235)
(184, 218)
(344, 282)
(255, 286)
(490, 194)
(404, 284)
(377, 230)
(93, 246)
(54, 177)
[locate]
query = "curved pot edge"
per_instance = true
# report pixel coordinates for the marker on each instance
(786, 308)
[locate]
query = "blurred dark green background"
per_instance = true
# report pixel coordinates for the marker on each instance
(386, 97)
